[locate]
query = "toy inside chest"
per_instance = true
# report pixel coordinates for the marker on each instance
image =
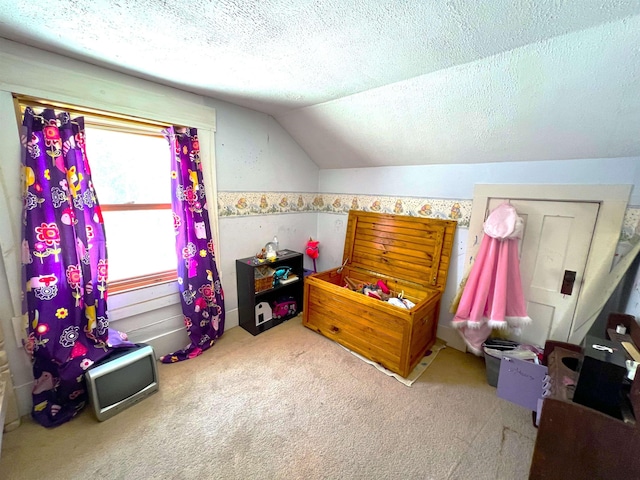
(376, 286)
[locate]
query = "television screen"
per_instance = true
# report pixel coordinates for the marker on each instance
(121, 380)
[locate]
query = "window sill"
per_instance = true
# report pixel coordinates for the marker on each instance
(131, 284)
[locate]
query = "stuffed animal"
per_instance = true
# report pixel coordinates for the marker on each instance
(313, 251)
(281, 273)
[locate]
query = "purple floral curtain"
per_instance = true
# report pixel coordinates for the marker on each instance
(64, 265)
(200, 287)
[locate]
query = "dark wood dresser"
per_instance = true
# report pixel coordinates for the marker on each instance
(578, 442)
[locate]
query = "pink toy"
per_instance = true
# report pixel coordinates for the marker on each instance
(284, 307)
(383, 286)
(313, 251)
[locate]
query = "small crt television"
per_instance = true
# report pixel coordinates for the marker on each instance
(124, 378)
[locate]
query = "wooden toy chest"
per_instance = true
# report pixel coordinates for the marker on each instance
(411, 254)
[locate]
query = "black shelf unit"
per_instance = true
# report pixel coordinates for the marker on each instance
(248, 298)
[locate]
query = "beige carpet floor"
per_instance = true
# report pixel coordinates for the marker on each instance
(289, 404)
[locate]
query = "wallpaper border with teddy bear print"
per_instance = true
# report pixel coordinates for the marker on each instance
(236, 204)
(240, 204)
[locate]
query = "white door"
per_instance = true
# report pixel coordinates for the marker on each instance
(554, 247)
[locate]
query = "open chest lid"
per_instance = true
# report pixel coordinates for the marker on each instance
(412, 249)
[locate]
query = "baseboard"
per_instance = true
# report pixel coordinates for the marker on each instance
(231, 320)
(451, 336)
(21, 407)
(176, 338)
(24, 398)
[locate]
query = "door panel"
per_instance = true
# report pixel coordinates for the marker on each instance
(556, 237)
(552, 248)
(541, 323)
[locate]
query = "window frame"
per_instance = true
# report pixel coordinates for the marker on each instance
(140, 281)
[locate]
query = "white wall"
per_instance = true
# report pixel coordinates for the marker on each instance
(457, 182)
(254, 153)
(251, 151)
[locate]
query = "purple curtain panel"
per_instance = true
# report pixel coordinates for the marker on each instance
(64, 264)
(200, 288)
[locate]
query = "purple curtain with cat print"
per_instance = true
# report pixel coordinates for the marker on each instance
(200, 288)
(64, 265)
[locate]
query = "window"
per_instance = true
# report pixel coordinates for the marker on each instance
(130, 170)
(131, 174)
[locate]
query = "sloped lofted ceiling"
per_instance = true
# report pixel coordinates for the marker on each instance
(362, 83)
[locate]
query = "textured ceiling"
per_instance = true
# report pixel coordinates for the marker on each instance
(375, 62)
